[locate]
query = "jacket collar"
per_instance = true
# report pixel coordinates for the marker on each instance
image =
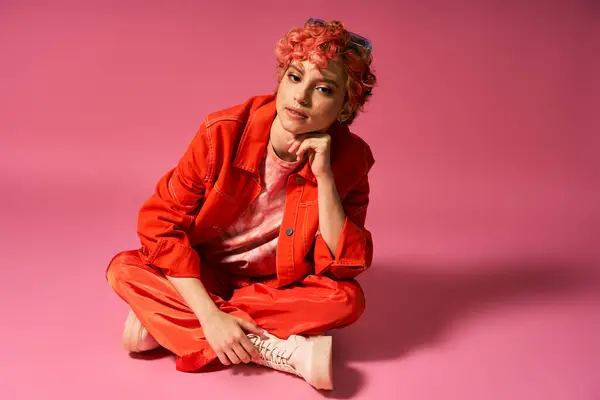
(255, 139)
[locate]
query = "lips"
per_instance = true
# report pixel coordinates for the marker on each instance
(297, 111)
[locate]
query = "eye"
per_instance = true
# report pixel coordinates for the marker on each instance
(325, 90)
(293, 78)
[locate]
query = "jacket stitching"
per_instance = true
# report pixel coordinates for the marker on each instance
(214, 120)
(154, 254)
(172, 191)
(225, 195)
(304, 231)
(359, 210)
(244, 135)
(211, 155)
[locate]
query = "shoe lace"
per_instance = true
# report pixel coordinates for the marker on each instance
(272, 356)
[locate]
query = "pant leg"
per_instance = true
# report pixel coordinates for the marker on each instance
(163, 312)
(311, 307)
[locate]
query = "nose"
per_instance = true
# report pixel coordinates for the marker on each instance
(301, 96)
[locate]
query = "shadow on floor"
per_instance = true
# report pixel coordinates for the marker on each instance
(412, 306)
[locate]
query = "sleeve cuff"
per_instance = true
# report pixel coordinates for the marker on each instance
(174, 259)
(353, 252)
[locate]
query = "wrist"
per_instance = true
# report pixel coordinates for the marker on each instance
(205, 316)
(325, 178)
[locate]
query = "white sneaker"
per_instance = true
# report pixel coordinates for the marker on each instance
(307, 358)
(136, 338)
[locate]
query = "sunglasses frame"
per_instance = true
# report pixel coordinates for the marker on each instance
(356, 39)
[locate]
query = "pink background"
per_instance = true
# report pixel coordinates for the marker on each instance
(485, 196)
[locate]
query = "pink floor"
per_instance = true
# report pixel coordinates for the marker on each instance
(485, 197)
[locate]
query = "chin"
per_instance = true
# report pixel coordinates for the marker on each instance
(297, 131)
(295, 128)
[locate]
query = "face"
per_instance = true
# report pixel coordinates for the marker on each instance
(309, 99)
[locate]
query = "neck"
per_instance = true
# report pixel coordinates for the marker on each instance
(279, 138)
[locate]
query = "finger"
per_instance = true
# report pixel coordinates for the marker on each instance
(251, 328)
(242, 354)
(294, 146)
(250, 348)
(304, 147)
(232, 356)
(222, 357)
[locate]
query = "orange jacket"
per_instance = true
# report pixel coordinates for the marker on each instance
(218, 176)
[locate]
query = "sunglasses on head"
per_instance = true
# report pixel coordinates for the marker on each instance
(354, 38)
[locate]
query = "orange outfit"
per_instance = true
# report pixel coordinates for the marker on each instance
(215, 182)
(249, 246)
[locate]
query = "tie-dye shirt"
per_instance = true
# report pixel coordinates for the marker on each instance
(248, 247)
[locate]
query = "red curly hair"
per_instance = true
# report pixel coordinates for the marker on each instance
(321, 43)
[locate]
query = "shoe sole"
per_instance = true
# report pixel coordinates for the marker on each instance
(321, 363)
(136, 338)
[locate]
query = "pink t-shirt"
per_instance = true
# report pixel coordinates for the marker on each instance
(248, 247)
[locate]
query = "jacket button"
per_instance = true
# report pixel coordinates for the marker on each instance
(299, 180)
(289, 231)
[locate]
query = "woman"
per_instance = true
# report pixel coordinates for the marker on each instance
(250, 245)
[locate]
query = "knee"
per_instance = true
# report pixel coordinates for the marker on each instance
(117, 271)
(353, 301)
(113, 274)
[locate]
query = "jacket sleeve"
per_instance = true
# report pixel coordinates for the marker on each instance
(165, 218)
(354, 252)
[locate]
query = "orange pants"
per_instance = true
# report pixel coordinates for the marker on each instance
(312, 306)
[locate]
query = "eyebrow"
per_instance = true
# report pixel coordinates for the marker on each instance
(301, 71)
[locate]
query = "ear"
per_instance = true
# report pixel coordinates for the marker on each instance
(344, 113)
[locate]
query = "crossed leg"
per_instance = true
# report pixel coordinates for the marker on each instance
(310, 307)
